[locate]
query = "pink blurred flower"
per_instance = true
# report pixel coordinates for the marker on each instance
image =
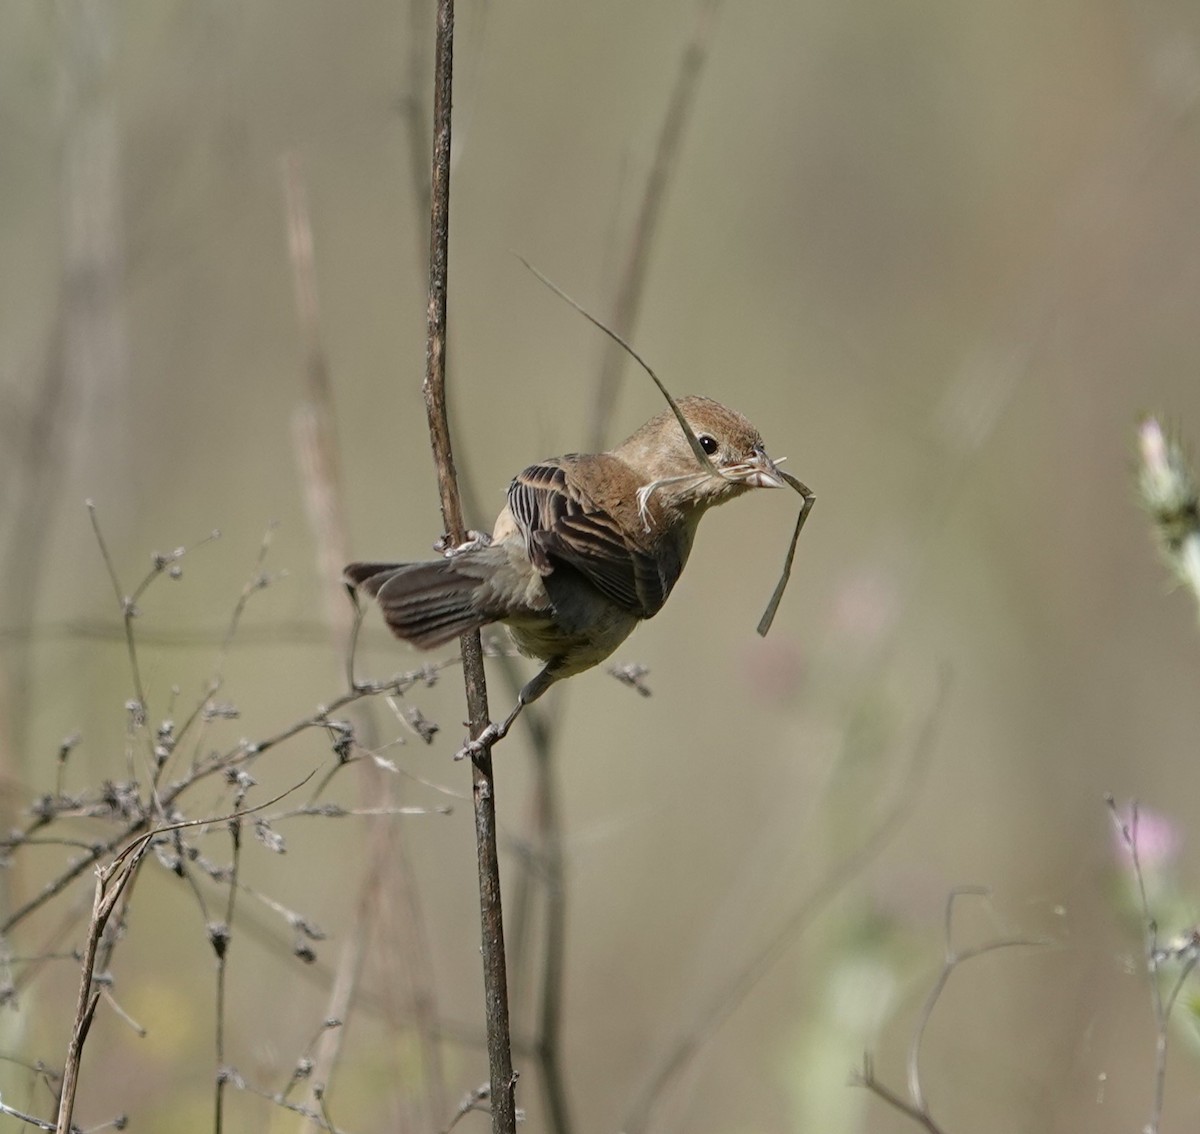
(774, 669)
(865, 607)
(1158, 838)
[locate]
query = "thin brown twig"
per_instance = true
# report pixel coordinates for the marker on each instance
(255, 583)
(502, 1078)
(124, 601)
(318, 1116)
(110, 884)
(161, 563)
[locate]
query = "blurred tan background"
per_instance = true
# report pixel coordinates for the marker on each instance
(943, 255)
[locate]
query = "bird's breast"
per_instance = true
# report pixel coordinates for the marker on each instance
(573, 647)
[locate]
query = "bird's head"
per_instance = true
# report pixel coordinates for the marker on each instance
(663, 457)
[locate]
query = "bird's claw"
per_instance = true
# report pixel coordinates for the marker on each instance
(481, 744)
(475, 540)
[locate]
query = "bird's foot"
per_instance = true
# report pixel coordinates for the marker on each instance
(482, 743)
(492, 732)
(475, 540)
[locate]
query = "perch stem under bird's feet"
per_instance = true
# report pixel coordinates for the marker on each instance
(494, 732)
(446, 547)
(530, 692)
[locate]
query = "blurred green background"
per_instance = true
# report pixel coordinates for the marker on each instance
(943, 255)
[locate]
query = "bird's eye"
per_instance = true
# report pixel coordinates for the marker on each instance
(708, 443)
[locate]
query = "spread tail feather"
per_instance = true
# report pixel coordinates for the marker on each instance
(427, 604)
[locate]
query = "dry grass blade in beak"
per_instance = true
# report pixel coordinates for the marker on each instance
(764, 623)
(701, 455)
(761, 478)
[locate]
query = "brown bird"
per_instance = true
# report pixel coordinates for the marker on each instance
(587, 546)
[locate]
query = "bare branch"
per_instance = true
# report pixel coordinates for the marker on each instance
(916, 1106)
(503, 1080)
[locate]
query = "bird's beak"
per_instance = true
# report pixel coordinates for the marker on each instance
(762, 472)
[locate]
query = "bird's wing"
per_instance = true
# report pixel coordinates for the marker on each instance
(562, 523)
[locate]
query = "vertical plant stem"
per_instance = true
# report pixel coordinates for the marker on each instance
(495, 976)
